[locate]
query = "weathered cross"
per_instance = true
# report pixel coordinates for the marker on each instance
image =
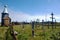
(52, 19)
(42, 24)
(33, 28)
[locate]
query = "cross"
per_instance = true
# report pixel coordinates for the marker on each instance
(42, 23)
(52, 19)
(33, 28)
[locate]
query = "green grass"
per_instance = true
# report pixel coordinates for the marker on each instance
(26, 34)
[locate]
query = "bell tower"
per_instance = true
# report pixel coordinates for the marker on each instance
(5, 19)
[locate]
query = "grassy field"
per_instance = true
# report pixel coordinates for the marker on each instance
(26, 34)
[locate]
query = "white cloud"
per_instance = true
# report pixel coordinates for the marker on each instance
(22, 16)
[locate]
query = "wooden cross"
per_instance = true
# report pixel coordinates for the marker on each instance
(33, 29)
(52, 19)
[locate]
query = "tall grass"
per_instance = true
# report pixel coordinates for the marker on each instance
(26, 33)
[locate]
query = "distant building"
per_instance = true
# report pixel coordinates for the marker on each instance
(5, 19)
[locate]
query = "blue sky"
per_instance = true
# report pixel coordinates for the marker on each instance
(22, 10)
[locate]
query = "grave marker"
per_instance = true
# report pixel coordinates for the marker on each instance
(48, 24)
(12, 32)
(42, 24)
(23, 25)
(52, 20)
(33, 29)
(55, 23)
